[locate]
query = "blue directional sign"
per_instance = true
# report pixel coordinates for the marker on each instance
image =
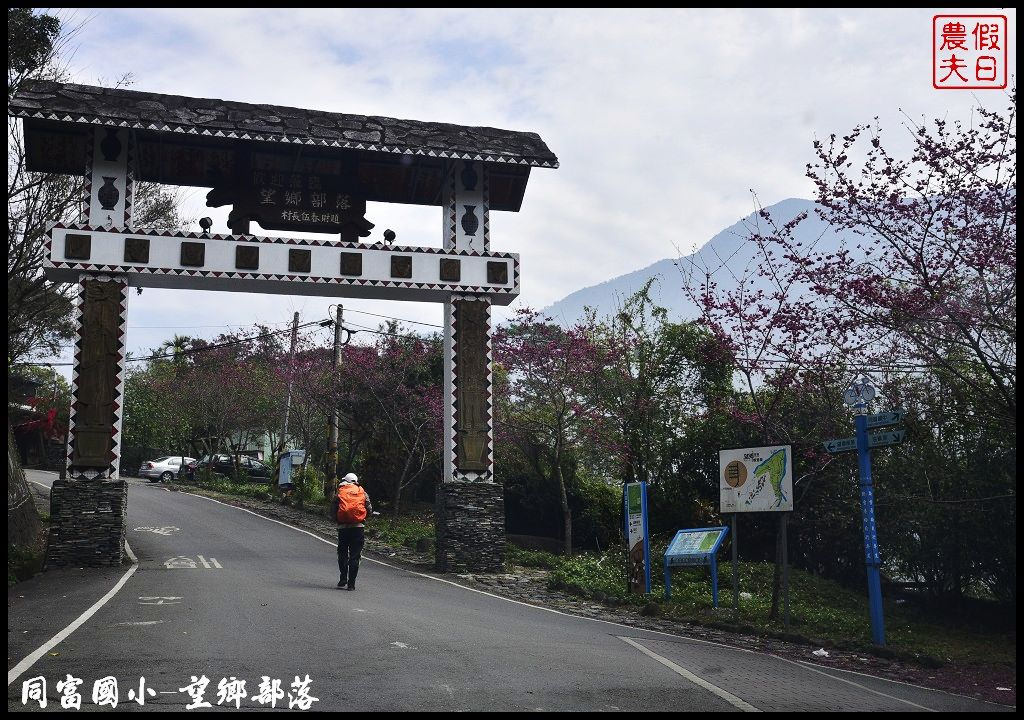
(891, 437)
(878, 439)
(886, 418)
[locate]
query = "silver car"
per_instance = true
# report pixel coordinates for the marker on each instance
(163, 468)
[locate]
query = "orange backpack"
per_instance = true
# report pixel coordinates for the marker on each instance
(351, 504)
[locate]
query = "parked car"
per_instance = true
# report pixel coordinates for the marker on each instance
(223, 464)
(163, 468)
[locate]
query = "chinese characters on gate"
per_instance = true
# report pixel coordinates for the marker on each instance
(230, 691)
(969, 52)
(299, 198)
(287, 192)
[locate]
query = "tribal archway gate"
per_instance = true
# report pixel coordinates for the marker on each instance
(287, 169)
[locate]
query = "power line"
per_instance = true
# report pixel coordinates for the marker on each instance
(366, 328)
(191, 351)
(173, 327)
(390, 317)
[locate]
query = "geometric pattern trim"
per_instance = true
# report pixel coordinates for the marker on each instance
(87, 182)
(112, 469)
(452, 368)
(156, 232)
(451, 209)
(129, 183)
(486, 210)
(509, 290)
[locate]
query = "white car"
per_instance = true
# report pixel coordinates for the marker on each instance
(163, 468)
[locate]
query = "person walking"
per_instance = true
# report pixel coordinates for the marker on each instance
(350, 507)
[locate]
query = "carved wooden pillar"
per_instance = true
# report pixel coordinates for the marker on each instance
(88, 509)
(470, 510)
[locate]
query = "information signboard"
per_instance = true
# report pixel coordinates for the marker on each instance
(758, 479)
(691, 547)
(289, 459)
(697, 546)
(638, 568)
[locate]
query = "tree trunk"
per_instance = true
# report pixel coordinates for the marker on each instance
(773, 614)
(396, 494)
(566, 512)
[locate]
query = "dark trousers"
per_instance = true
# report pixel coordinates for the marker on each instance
(350, 544)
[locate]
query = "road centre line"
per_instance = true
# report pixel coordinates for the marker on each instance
(582, 617)
(724, 694)
(22, 667)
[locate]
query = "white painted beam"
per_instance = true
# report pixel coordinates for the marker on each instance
(156, 260)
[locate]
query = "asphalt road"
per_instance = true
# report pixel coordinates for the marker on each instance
(222, 593)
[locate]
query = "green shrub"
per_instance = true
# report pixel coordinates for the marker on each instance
(22, 563)
(394, 531)
(530, 558)
(602, 575)
(309, 484)
(598, 523)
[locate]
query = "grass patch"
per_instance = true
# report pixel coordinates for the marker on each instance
(821, 611)
(530, 558)
(404, 530)
(22, 563)
(224, 484)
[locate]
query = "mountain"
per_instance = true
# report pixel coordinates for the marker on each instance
(726, 254)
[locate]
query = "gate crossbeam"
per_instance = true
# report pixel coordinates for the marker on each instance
(249, 263)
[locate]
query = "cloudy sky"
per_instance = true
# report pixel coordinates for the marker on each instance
(663, 120)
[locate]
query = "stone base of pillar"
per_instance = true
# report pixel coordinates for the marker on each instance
(87, 522)
(470, 524)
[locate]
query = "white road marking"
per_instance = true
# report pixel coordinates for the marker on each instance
(552, 610)
(18, 670)
(166, 530)
(899, 682)
(160, 600)
(401, 645)
(180, 562)
(851, 682)
(358, 609)
(141, 622)
(724, 694)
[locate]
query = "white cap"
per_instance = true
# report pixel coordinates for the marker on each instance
(351, 477)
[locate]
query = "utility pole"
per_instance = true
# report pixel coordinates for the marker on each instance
(288, 397)
(332, 443)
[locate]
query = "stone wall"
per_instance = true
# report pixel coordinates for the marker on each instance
(470, 525)
(87, 522)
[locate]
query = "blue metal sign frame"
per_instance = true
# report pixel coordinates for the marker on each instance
(707, 557)
(644, 530)
(872, 558)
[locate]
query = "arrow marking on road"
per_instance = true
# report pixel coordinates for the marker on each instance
(724, 694)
